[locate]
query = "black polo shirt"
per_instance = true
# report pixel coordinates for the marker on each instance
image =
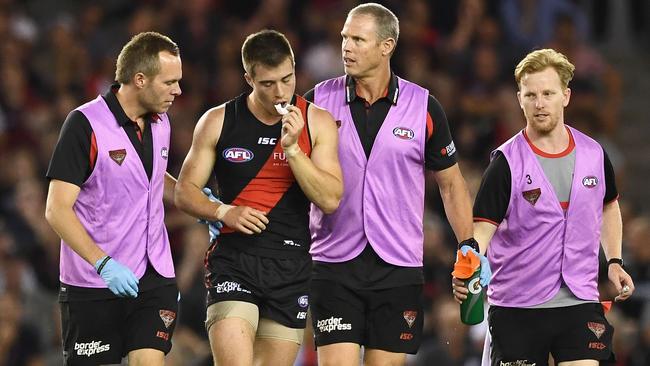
(73, 160)
(75, 153)
(369, 118)
(368, 270)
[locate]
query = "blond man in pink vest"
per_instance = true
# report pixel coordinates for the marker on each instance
(547, 202)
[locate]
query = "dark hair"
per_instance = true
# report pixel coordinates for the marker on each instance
(140, 54)
(266, 47)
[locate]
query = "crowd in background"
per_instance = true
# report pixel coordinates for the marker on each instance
(55, 55)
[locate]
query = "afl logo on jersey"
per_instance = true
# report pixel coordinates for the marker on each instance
(403, 133)
(590, 181)
(238, 155)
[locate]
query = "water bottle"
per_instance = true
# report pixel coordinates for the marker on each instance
(468, 268)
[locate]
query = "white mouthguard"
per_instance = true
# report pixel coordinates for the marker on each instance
(282, 110)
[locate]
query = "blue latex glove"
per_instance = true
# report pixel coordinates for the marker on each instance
(214, 227)
(486, 272)
(119, 278)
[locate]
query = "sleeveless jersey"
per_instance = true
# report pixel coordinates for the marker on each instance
(251, 170)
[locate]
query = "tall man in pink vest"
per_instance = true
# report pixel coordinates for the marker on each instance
(547, 200)
(367, 275)
(107, 184)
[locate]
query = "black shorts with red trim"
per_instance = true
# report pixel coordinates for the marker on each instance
(97, 332)
(527, 336)
(387, 319)
(278, 286)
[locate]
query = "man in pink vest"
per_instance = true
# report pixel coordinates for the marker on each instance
(107, 184)
(546, 202)
(367, 276)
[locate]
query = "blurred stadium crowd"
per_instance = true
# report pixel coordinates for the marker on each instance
(55, 55)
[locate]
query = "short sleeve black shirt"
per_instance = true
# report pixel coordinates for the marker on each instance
(368, 270)
(369, 118)
(73, 161)
(75, 152)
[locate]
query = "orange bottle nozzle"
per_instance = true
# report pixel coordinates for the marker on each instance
(465, 265)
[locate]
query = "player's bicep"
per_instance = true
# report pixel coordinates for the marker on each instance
(200, 159)
(324, 154)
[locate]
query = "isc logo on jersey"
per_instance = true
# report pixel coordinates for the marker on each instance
(267, 141)
(238, 155)
(403, 133)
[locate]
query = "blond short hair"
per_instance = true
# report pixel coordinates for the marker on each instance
(540, 60)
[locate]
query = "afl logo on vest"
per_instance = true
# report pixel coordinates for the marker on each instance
(403, 133)
(237, 155)
(590, 181)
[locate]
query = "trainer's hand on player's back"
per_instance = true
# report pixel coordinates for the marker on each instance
(119, 278)
(245, 219)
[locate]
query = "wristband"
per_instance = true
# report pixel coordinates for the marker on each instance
(472, 243)
(222, 210)
(292, 151)
(101, 265)
(618, 261)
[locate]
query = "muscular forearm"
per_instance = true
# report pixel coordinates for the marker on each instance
(189, 198)
(320, 187)
(66, 224)
(612, 231)
(458, 207)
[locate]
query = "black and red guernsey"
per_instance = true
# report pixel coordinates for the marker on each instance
(251, 170)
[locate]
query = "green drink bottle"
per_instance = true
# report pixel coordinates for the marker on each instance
(468, 268)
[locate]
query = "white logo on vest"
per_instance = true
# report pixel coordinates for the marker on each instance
(590, 181)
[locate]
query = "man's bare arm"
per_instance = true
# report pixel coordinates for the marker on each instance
(61, 198)
(455, 198)
(611, 238)
(195, 174)
(169, 187)
(320, 176)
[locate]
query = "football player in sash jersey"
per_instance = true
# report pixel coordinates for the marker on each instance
(273, 154)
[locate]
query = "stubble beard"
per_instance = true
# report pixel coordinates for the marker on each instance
(544, 128)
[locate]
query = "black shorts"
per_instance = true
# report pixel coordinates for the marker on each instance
(569, 333)
(104, 331)
(278, 286)
(386, 319)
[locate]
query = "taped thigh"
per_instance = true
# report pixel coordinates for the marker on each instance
(271, 329)
(232, 309)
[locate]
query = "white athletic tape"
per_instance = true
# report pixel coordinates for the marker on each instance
(292, 151)
(222, 211)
